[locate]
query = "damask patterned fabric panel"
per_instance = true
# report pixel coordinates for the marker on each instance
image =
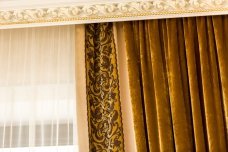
(104, 113)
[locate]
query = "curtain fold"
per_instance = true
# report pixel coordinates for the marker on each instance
(103, 101)
(178, 77)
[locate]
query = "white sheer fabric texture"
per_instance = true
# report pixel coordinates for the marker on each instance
(37, 87)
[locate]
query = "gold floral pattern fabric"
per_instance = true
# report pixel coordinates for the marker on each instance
(104, 113)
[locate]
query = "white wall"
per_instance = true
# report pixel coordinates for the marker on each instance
(18, 4)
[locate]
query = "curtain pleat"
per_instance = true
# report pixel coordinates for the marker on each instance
(102, 83)
(194, 86)
(178, 77)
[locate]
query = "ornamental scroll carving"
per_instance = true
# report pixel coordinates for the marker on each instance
(103, 101)
(110, 10)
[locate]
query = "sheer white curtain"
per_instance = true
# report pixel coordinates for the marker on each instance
(37, 88)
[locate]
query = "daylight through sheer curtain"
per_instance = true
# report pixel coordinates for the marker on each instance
(37, 88)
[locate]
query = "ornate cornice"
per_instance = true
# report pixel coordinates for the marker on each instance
(87, 13)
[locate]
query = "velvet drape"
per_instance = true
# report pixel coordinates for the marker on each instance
(178, 76)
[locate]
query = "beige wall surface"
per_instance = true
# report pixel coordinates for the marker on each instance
(83, 136)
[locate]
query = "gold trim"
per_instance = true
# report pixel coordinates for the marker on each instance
(91, 13)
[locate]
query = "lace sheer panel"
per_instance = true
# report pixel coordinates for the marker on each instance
(37, 87)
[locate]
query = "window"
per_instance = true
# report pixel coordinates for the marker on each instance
(37, 90)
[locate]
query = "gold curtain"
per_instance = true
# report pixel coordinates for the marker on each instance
(178, 77)
(103, 101)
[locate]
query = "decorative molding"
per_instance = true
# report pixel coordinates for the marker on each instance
(100, 12)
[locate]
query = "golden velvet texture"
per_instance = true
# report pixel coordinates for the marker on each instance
(102, 84)
(178, 75)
